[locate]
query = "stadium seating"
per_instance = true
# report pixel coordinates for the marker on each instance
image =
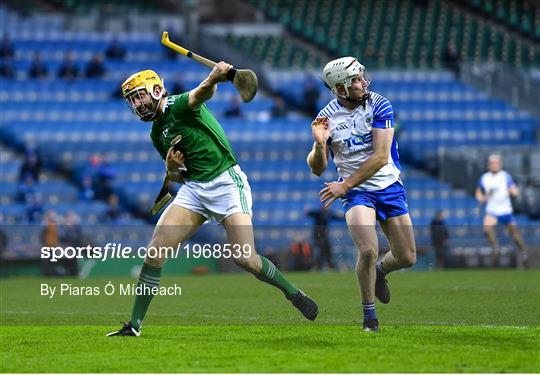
(276, 51)
(409, 34)
(69, 122)
(24, 237)
(73, 6)
(520, 16)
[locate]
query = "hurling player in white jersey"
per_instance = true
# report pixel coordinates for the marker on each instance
(494, 190)
(356, 129)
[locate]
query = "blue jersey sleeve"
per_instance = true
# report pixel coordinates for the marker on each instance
(509, 180)
(480, 184)
(383, 114)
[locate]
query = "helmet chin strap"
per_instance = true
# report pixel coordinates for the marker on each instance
(360, 101)
(158, 105)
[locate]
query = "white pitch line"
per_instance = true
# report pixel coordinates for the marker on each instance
(338, 322)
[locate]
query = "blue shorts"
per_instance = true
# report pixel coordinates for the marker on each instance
(388, 202)
(504, 219)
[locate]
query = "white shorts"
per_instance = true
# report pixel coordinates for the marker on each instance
(219, 198)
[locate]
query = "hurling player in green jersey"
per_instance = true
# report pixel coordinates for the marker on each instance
(213, 185)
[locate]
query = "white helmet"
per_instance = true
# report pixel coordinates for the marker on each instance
(342, 70)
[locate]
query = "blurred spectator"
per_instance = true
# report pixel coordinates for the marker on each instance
(114, 214)
(6, 48)
(278, 110)
(532, 200)
(302, 254)
(93, 165)
(6, 68)
(71, 233)
(233, 109)
(34, 208)
(26, 188)
(178, 86)
(115, 50)
(321, 218)
(95, 68)
(68, 70)
(87, 192)
(50, 237)
(451, 59)
(37, 68)
(31, 166)
(104, 178)
(311, 96)
(439, 239)
(102, 175)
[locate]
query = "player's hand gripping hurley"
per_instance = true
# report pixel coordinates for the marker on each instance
(164, 196)
(245, 80)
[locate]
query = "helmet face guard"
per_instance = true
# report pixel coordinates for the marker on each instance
(343, 71)
(143, 104)
(138, 91)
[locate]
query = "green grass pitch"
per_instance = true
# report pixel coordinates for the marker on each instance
(441, 321)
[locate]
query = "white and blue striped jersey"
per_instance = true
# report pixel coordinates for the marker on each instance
(495, 187)
(351, 139)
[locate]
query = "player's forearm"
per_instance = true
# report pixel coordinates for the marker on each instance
(514, 191)
(204, 91)
(371, 166)
(317, 159)
(480, 197)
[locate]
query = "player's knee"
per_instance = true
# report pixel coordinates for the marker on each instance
(488, 229)
(155, 262)
(248, 264)
(367, 255)
(407, 260)
(156, 255)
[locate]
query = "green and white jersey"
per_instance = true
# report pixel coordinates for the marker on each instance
(205, 146)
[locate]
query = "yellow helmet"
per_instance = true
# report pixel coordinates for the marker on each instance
(145, 79)
(145, 109)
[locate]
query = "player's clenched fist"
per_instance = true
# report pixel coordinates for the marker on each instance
(174, 159)
(219, 72)
(320, 129)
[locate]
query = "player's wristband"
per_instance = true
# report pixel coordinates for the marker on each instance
(178, 173)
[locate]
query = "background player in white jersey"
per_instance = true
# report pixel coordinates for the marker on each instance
(356, 128)
(494, 190)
